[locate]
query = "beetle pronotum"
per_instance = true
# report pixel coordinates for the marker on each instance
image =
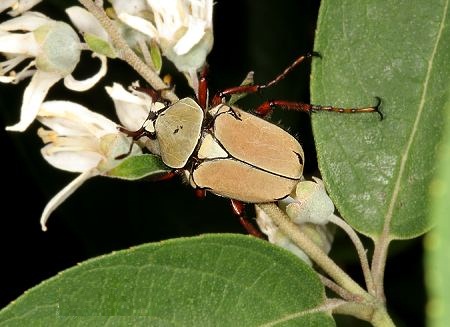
(229, 152)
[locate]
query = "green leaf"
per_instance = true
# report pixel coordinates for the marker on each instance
(248, 80)
(437, 243)
(99, 45)
(378, 172)
(139, 166)
(215, 280)
(155, 54)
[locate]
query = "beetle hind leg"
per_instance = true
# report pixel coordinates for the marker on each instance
(266, 107)
(239, 210)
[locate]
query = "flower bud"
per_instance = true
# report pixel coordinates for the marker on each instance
(60, 48)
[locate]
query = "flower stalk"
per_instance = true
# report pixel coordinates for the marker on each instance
(125, 53)
(313, 251)
(359, 249)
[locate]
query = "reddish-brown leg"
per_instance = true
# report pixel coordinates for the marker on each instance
(239, 210)
(217, 99)
(203, 89)
(166, 176)
(156, 95)
(200, 193)
(268, 106)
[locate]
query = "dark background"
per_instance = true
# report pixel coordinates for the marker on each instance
(106, 214)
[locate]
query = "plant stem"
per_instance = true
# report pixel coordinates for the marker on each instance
(376, 315)
(343, 293)
(316, 254)
(381, 318)
(126, 53)
(359, 249)
(379, 263)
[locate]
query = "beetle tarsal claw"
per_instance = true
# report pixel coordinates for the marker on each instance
(234, 113)
(376, 107)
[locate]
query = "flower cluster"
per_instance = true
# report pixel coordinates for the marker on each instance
(47, 51)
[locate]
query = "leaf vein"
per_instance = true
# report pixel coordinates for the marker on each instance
(405, 156)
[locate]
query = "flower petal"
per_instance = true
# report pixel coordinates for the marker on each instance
(7, 79)
(69, 118)
(129, 6)
(62, 195)
(140, 24)
(75, 159)
(131, 109)
(21, 6)
(86, 22)
(29, 21)
(33, 97)
(193, 35)
(6, 4)
(19, 44)
(82, 85)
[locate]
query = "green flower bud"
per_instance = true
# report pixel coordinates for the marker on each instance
(60, 48)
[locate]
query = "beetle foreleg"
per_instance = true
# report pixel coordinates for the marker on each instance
(135, 135)
(156, 95)
(297, 62)
(268, 106)
(217, 99)
(239, 210)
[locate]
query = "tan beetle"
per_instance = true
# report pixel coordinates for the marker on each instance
(229, 152)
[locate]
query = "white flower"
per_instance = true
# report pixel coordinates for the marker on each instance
(79, 140)
(17, 6)
(132, 7)
(182, 28)
(98, 39)
(132, 108)
(53, 49)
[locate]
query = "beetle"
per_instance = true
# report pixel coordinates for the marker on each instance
(230, 152)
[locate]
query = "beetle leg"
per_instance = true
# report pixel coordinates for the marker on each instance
(200, 193)
(268, 106)
(203, 88)
(156, 95)
(239, 210)
(166, 176)
(218, 97)
(135, 135)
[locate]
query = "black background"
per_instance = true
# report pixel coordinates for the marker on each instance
(106, 214)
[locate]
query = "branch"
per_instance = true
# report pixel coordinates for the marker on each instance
(125, 53)
(359, 249)
(314, 252)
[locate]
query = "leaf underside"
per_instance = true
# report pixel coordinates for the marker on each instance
(139, 166)
(378, 172)
(211, 280)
